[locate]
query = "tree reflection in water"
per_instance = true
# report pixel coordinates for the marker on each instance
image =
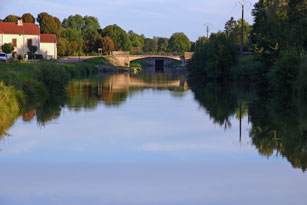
(86, 94)
(279, 123)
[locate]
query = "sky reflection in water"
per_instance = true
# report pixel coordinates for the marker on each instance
(155, 147)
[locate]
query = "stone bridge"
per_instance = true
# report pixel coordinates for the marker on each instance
(123, 58)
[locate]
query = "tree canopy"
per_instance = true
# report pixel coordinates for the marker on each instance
(179, 42)
(11, 18)
(28, 18)
(119, 36)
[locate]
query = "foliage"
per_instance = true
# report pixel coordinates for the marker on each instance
(33, 49)
(105, 43)
(286, 69)
(179, 42)
(28, 18)
(136, 40)
(162, 44)
(63, 45)
(119, 36)
(279, 25)
(11, 18)
(9, 107)
(214, 60)
(150, 45)
(233, 31)
(75, 22)
(7, 48)
(48, 24)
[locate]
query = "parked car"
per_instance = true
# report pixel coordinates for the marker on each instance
(3, 56)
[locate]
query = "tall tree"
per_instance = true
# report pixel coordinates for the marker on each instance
(74, 22)
(136, 40)
(28, 18)
(90, 30)
(47, 24)
(119, 36)
(179, 42)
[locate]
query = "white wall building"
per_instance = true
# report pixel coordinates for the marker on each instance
(48, 46)
(23, 35)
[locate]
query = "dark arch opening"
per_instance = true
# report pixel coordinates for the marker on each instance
(159, 65)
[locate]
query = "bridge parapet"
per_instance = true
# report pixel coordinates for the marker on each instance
(123, 58)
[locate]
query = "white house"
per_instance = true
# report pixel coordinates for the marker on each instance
(23, 35)
(48, 46)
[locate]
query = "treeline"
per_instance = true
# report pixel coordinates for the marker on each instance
(83, 35)
(277, 40)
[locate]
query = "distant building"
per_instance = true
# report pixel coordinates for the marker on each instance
(48, 46)
(136, 49)
(23, 35)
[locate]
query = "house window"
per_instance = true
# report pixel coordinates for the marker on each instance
(14, 42)
(29, 43)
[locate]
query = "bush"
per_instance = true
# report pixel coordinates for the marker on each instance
(7, 48)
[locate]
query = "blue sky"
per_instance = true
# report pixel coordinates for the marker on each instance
(150, 17)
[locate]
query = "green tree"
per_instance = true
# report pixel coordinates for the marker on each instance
(11, 18)
(136, 40)
(150, 45)
(230, 26)
(28, 18)
(74, 22)
(119, 36)
(90, 30)
(62, 46)
(179, 42)
(214, 60)
(162, 44)
(7, 48)
(47, 24)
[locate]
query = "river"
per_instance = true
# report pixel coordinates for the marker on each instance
(151, 139)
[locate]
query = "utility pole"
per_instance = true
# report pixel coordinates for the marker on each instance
(207, 32)
(242, 3)
(242, 31)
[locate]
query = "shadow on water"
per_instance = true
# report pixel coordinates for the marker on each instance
(279, 123)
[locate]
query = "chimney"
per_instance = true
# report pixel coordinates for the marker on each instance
(19, 22)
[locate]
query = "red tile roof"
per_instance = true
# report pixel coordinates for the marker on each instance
(48, 38)
(13, 28)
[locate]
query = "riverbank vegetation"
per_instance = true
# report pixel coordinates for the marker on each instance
(268, 83)
(277, 45)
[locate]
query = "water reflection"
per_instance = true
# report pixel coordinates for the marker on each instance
(279, 123)
(111, 90)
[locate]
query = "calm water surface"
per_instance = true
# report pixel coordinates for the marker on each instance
(149, 139)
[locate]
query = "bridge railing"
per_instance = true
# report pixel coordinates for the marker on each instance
(158, 53)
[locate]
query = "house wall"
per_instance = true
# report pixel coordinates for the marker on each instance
(22, 42)
(1, 42)
(48, 50)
